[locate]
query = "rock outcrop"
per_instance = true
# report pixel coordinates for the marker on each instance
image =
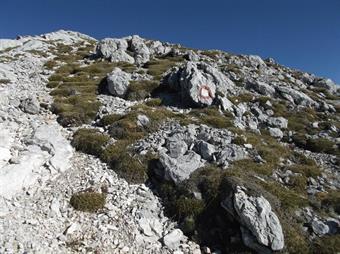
(198, 83)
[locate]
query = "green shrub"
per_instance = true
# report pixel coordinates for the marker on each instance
(110, 119)
(321, 145)
(50, 64)
(5, 81)
(239, 141)
(212, 117)
(139, 90)
(132, 169)
(188, 207)
(295, 240)
(289, 199)
(245, 97)
(89, 141)
(157, 67)
(88, 201)
(156, 102)
(327, 245)
(330, 200)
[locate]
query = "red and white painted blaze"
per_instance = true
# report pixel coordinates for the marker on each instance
(205, 93)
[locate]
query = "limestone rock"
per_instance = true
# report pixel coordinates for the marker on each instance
(206, 150)
(30, 105)
(176, 147)
(173, 239)
(261, 88)
(118, 82)
(255, 213)
(275, 132)
(198, 83)
(320, 228)
(180, 168)
(278, 122)
(295, 96)
(114, 50)
(141, 51)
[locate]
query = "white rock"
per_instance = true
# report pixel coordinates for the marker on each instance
(256, 214)
(118, 82)
(173, 239)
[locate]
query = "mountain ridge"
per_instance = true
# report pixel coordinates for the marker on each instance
(196, 151)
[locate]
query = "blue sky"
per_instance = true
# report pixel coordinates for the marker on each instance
(304, 34)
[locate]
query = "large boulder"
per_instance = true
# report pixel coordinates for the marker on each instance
(198, 83)
(118, 82)
(159, 48)
(141, 51)
(114, 50)
(255, 214)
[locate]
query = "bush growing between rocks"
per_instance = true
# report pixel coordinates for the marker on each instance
(90, 141)
(330, 200)
(212, 117)
(327, 245)
(139, 90)
(88, 201)
(321, 145)
(157, 67)
(155, 102)
(5, 81)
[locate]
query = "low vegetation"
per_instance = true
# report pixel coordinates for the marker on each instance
(5, 81)
(157, 67)
(88, 201)
(90, 141)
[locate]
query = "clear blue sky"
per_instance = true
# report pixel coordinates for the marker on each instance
(304, 34)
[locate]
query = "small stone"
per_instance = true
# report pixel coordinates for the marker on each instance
(319, 227)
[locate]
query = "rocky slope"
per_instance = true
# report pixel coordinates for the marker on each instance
(138, 146)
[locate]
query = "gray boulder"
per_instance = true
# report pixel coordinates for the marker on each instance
(118, 82)
(231, 153)
(30, 105)
(143, 120)
(226, 104)
(141, 51)
(277, 122)
(256, 215)
(173, 239)
(198, 83)
(159, 48)
(114, 50)
(319, 228)
(180, 168)
(206, 150)
(295, 96)
(176, 147)
(261, 88)
(275, 132)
